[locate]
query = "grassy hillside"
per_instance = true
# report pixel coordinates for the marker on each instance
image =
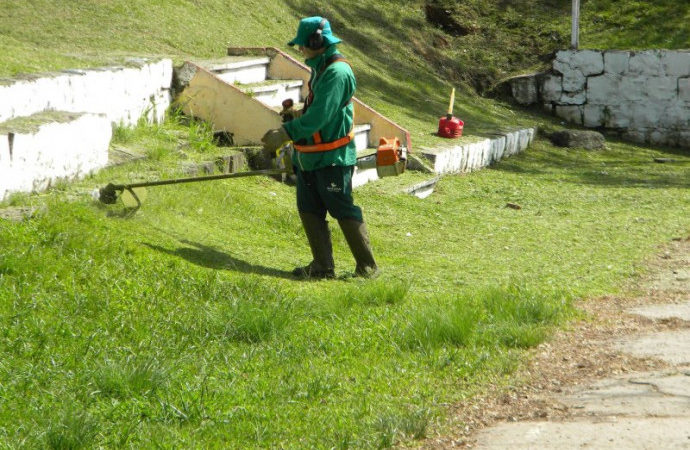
(405, 60)
(180, 327)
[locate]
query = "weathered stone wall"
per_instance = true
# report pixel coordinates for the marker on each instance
(645, 95)
(124, 93)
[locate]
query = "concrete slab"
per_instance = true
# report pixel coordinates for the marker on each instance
(656, 394)
(629, 433)
(679, 311)
(670, 346)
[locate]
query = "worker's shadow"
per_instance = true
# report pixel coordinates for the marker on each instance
(212, 258)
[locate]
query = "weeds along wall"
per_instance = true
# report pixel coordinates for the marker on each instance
(644, 96)
(59, 125)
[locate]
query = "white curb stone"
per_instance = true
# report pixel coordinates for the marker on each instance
(476, 155)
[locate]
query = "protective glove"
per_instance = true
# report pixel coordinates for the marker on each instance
(289, 112)
(274, 139)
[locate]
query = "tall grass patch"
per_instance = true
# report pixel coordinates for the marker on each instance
(129, 378)
(511, 316)
(451, 323)
(248, 311)
(516, 316)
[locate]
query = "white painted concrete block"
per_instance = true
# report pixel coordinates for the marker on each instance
(676, 116)
(551, 88)
(618, 116)
(676, 63)
(511, 143)
(662, 89)
(684, 89)
(498, 145)
(485, 155)
(594, 116)
(51, 146)
(589, 62)
(633, 88)
(251, 74)
(6, 108)
(616, 62)
(523, 139)
(604, 90)
(574, 81)
(573, 98)
(646, 115)
(572, 114)
(524, 90)
(647, 62)
(364, 176)
(6, 175)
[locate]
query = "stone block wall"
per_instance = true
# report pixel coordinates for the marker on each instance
(644, 96)
(123, 94)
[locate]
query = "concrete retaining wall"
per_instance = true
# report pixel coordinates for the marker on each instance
(59, 125)
(36, 151)
(643, 95)
(123, 94)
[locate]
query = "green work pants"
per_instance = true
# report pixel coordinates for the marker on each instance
(327, 190)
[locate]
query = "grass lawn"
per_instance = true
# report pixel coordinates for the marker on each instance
(180, 326)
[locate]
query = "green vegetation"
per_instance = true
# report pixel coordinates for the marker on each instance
(180, 326)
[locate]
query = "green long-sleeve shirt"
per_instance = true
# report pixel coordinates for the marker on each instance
(331, 113)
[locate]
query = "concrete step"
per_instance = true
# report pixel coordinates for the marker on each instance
(362, 136)
(37, 150)
(365, 170)
(272, 92)
(238, 69)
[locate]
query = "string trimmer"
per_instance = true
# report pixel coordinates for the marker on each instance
(133, 194)
(111, 192)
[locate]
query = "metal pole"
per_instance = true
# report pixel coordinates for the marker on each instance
(575, 31)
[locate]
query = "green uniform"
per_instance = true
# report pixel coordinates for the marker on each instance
(324, 178)
(331, 113)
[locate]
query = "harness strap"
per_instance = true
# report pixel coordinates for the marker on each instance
(319, 145)
(326, 146)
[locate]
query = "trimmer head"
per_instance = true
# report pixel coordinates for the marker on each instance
(109, 194)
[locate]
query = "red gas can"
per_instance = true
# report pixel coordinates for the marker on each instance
(450, 127)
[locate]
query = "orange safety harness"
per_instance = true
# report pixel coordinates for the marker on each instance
(319, 145)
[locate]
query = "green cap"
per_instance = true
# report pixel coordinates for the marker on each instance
(308, 26)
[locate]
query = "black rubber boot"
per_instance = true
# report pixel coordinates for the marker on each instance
(357, 239)
(319, 237)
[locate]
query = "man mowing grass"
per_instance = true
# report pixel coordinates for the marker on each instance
(325, 153)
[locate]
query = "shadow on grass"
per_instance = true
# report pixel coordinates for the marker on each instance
(212, 258)
(606, 168)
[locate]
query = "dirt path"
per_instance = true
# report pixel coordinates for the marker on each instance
(620, 378)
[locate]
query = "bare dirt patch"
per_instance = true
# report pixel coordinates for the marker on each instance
(582, 353)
